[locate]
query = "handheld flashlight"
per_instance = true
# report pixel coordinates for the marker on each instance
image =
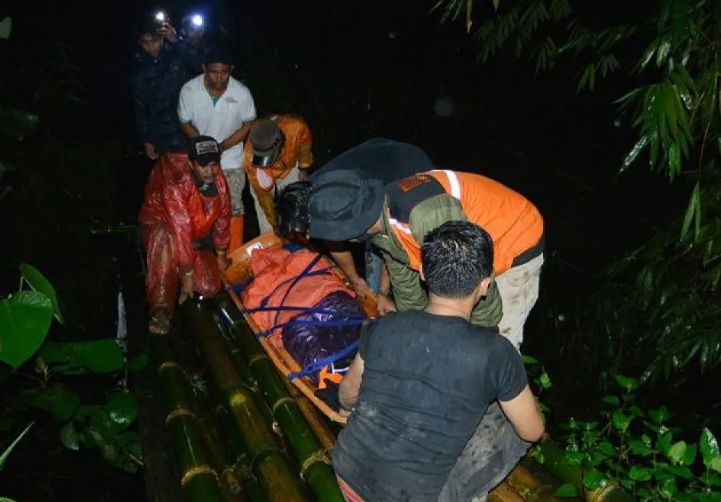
(160, 16)
(197, 20)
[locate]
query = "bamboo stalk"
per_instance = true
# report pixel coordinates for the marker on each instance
(310, 413)
(530, 486)
(309, 452)
(199, 482)
(504, 493)
(573, 474)
(268, 461)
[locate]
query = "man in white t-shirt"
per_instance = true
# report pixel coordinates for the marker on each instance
(217, 105)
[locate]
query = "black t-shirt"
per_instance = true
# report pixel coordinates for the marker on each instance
(426, 385)
(382, 159)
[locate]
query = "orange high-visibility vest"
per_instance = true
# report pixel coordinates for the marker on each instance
(512, 221)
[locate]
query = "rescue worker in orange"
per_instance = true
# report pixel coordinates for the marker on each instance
(397, 217)
(277, 153)
(185, 226)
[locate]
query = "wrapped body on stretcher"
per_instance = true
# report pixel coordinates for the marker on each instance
(299, 304)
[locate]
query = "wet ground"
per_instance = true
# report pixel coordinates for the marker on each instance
(354, 72)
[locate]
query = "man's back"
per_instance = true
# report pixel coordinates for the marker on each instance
(427, 382)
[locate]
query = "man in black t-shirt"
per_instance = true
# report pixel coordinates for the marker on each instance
(422, 381)
(379, 159)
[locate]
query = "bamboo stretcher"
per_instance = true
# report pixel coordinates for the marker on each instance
(238, 272)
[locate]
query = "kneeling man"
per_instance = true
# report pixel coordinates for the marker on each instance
(422, 381)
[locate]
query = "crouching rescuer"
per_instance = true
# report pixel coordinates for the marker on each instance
(421, 382)
(185, 227)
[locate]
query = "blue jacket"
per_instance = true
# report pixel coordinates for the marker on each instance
(156, 84)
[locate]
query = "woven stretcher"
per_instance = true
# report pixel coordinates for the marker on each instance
(239, 272)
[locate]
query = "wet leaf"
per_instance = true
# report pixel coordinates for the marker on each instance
(709, 446)
(566, 490)
(24, 322)
(57, 400)
(694, 207)
(4, 456)
(69, 436)
(40, 283)
(676, 453)
(122, 408)
(639, 473)
(97, 356)
(594, 479)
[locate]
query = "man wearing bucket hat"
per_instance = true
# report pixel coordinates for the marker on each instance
(184, 222)
(381, 159)
(277, 153)
(397, 217)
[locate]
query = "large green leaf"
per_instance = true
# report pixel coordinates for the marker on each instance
(6, 453)
(677, 452)
(57, 400)
(709, 446)
(24, 321)
(97, 356)
(40, 283)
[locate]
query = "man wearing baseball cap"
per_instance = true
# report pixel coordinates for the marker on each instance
(185, 226)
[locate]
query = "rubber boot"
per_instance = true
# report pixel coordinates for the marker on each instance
(236, 233)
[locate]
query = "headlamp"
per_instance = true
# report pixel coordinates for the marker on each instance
(160, 16)
(197, 20)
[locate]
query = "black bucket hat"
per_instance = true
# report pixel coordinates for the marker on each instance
(343, 205)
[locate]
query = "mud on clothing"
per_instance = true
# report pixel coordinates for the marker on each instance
(295, 154)
(427, 382)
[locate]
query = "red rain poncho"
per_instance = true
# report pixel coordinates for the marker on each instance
(174, 217)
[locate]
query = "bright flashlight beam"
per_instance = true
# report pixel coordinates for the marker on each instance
(160, 16)
(197, 20)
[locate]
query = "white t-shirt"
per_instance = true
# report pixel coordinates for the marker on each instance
(234, 108)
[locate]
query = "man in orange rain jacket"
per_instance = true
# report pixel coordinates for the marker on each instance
(397, 217)
(277, 153)
(185, 221)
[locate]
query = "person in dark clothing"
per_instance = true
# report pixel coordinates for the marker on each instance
(422, 380)
(380, 159)
(160, 69)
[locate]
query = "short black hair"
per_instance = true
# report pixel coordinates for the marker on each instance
(292, 210)
(146, 24)
(456, 257)
(218, 52)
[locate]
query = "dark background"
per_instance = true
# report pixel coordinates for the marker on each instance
(354, 70)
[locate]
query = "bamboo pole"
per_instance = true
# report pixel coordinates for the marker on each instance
(199, 482)
(573, 474)
(309, 452)
(312, 416)
(267, 459)
(530, 486)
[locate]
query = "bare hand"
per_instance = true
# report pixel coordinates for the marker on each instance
(151, 152)
(361, 286)
(186, 287)
(385, 305)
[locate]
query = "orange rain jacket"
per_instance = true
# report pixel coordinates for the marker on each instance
(296, 152)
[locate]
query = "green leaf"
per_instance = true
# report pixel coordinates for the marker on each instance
(715, 463)
(620, 421)
(544, 380)
(680, 471)
(676, 452)
(566, 490)
(639, 448)
(668, 488)
(639, 473)
(97, 356)
(708, 445)
(57, 400)
(606, 448)
(528, 360)
(594, 479)
(6, 453)
(611, 400)
(626, 383)
(660, 415)
(122, 408)
(572, 457)
(664, 442)
(39, 283)
(694, 207)
(24, 321)
(710, 497)
(69, 436)
(6, 27)
(689, 455)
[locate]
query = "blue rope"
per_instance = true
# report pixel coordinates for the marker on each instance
(305, 310)
(312, 322)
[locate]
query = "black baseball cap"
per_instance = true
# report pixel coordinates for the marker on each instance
(204, 150)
